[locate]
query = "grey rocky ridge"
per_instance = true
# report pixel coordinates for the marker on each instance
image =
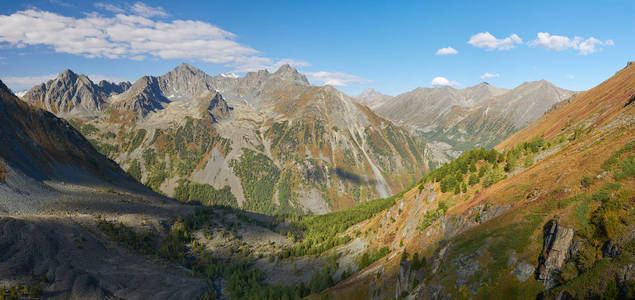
(320, 149)
(73, 94)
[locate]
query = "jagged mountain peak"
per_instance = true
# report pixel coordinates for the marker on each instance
(184, 67)
(368, 93)
(142, 97)
(536, 84)
(286, 72)
(372, 98)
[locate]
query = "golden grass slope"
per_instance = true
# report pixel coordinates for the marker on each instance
(593, 108)
(562, 184)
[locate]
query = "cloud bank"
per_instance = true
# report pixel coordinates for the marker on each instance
(559, 43)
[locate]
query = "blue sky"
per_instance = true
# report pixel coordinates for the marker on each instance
(389, 46)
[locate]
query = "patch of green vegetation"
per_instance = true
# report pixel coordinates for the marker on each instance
(432, 216)
(371, 256)
(143, 242)
(319, 233)
(451, 174)
(135, 170)
(493, 176)
(105, 148)
(187, 145)
(626, 168)
(258, 176)
(204, 194)
(149, 157)
(137, 140)
(3, 171)
(614, 158)
(286, 196)
(21, 291)
(157, 176)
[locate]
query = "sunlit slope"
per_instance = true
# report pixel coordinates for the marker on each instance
(550, 214)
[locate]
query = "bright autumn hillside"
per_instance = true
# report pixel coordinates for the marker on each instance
(550, 216)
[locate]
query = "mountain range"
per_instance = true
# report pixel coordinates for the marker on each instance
(460, 119)
(186, 127)
(546, 213)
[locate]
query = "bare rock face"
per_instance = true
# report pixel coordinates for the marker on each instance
(218, 108)
(557, 241)
(111, 88)
(143, 97)
(405, 278)
(185, 81)
(287, 73)
(523, 271)
(69, 92)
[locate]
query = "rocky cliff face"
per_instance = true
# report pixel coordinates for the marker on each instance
(111, 88)
(67, 93)
(555, 250)
(73, 95)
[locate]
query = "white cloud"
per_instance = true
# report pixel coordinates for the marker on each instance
(447, 51)
(442, 81)
(559, 43)
(17, 83)
(335, 78)
(570, 76)
(489, 42)
(490, 75)
(126, 36)
(133, 37)
(148, 11)
(109, 7)
(588, 46)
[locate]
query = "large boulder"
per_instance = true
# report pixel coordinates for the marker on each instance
(555, 250)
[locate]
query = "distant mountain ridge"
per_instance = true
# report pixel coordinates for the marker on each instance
(482, 115)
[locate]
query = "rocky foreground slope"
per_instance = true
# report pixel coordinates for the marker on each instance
(190, 135)
(53, 184)
(547, 214)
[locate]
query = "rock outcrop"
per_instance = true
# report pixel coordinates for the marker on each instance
(217, 107)
(405, 278)
(555, 249)
(523, 271)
